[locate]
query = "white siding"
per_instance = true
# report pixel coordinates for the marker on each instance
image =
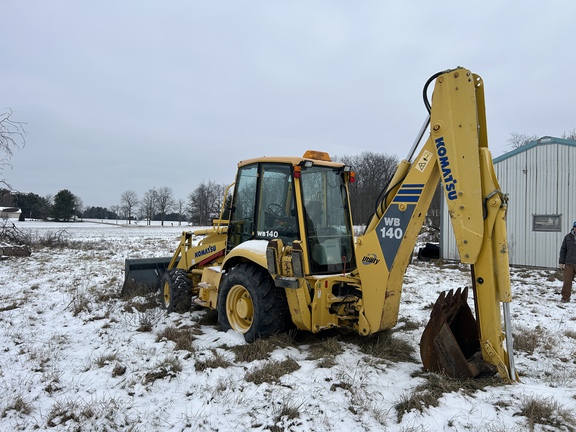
(539, 181)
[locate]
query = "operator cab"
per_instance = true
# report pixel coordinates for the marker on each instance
(268, 195)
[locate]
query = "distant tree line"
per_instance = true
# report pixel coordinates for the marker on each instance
(64, 206)
(202, 205)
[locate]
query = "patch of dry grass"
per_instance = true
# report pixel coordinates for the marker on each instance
(83, 415)
(183, 337)
(80, 301)
(388, 347)
(428, 393)
(527, 340)
(19, 404)
(271, 371)
(105, 359)
(169, 368)
(547, 412)
(216, 360)
(261, 349)
(325, 352)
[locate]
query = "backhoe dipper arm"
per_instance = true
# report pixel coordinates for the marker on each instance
(456, 153)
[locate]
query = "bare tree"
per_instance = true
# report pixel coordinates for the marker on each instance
(12, 136)
(518, 140)
(164, 201)
(373, 171)
(570, 135)
(180, 206)
(128, 202)
(205, 201)
(148, 205)
(78, 206)
(116, 210)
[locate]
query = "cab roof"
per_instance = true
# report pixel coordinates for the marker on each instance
(317, 157)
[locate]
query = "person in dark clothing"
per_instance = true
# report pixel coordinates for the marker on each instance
(568, 262)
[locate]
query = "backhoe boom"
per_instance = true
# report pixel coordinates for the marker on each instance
(457, 155)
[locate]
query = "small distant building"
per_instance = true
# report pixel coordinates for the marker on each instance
(10, 212)
(540, 179)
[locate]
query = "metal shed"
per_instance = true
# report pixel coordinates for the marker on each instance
(540, 179)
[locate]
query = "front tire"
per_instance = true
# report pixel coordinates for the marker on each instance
(250, 303)
(175, 291)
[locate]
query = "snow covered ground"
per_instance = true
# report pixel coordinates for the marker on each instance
(75, 356)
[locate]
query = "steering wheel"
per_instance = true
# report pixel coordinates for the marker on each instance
(277, 210)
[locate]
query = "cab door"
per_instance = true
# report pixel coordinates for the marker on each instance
(263, 205)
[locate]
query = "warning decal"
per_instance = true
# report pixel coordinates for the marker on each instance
(423, 161)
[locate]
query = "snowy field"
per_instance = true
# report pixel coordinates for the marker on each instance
(77, 357)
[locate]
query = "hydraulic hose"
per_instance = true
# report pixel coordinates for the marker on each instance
(425, 90)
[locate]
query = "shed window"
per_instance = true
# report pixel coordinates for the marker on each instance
(547, 223)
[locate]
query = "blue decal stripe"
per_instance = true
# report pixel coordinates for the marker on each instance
(406, 198)
(409, 193)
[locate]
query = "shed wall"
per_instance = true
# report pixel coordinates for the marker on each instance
(539, 181)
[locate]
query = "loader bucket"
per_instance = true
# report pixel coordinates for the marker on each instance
(450, 342)
(142, 276)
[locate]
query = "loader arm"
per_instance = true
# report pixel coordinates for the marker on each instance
(455, 154)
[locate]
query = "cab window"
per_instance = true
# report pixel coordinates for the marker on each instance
(276, 211)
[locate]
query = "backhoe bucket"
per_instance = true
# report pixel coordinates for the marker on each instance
(450, 342)
(143, 276)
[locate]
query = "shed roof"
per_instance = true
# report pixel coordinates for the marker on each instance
(545, 140)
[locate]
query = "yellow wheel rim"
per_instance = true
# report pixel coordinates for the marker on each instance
(166, 293)
(239, 309)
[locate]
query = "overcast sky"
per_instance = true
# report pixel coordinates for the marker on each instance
(131, 95)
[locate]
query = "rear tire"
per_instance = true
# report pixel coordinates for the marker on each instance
(175, 291)
(250, 303)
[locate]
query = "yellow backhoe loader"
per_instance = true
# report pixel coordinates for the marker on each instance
(283, 253)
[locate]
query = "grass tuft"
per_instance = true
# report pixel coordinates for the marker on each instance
(260, 349)
(80, 302)
(325, 352)
(434, 387)
(183, 337)
(78, 414)
(547, 412)
(527, 340)
(285, 416)
(105, 359)
(169, 368)
(388, 347)
(18, 404)
(272, 371)
(217, 360)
